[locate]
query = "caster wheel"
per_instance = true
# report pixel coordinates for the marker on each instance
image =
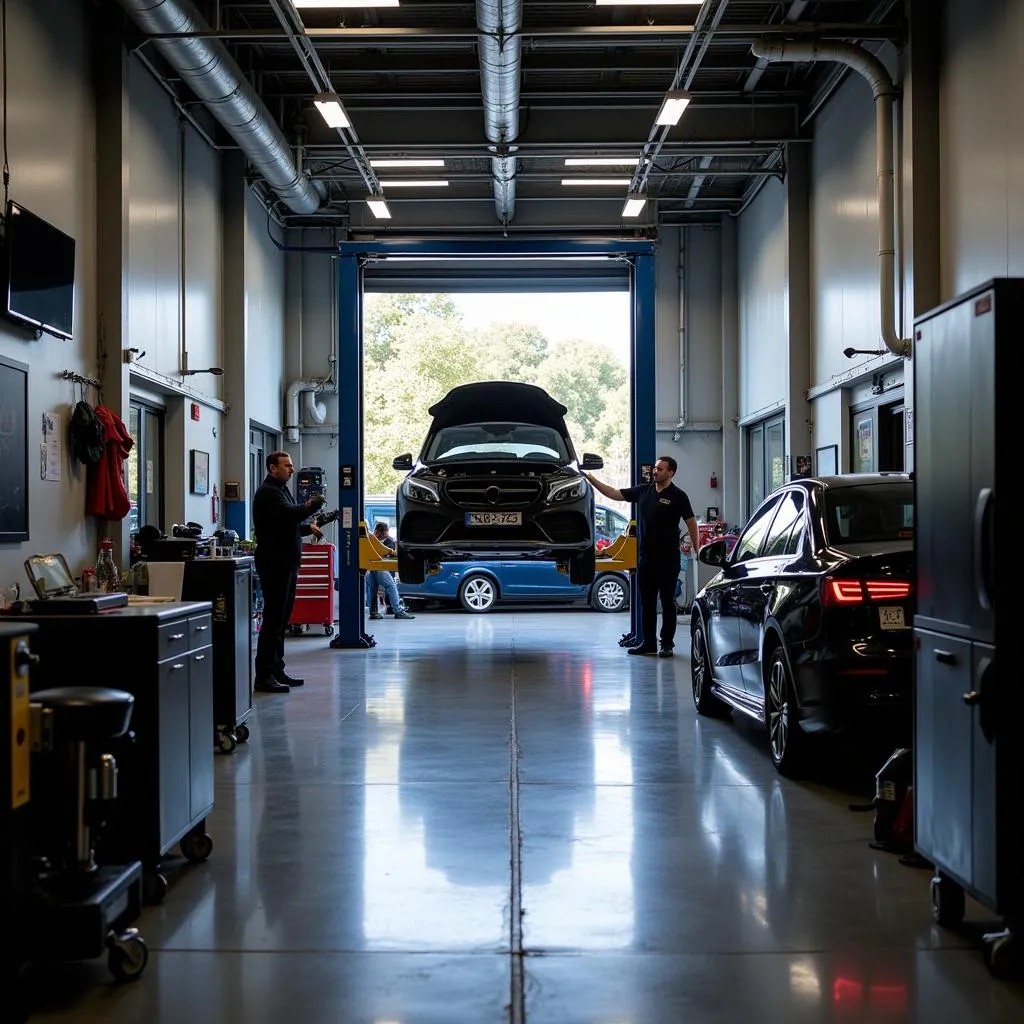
(328, 631)
(948, 905)
(242, 733)
(128, 956)
(227, 743)
(196, 847)
(154, 887)
(1003, 955)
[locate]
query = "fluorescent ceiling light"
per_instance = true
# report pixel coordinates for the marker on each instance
(326, 5)
(331, 110)
(602, 161)
(634, 204)
(672, 108)
(413, 183)
(648, 3)
(595, 181)
(378, 207)
(407, 163)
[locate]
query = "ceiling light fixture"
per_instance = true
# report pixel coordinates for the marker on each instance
(595, 181)
(413, 183)
(602, 161)
(672, 108)
(326, 5)
(407, 163)
(331, 110)
(378, 207)
(648, 3)
(633, 206)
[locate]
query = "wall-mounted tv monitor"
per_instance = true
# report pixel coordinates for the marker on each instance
(39, 262)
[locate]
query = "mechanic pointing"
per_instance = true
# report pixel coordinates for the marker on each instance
(659, 507)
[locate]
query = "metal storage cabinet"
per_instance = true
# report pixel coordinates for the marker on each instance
(227, 584)
(968, 761)
(314, 592)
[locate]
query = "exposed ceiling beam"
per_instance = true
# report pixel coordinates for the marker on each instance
(794, 13)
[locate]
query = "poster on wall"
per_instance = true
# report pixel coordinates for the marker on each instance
(199, 472)
(803, 466)
(13, 451)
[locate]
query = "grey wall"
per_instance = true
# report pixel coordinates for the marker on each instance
(981, 131)
(53, 175)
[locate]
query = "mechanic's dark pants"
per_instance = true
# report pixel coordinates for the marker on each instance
(278, 585)
(656, 581)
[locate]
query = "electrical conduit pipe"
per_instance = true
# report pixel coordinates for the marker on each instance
(315, 411)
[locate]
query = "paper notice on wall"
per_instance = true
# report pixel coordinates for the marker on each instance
(49, 460)
(51, 451)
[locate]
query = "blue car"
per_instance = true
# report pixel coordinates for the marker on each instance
(480, 584)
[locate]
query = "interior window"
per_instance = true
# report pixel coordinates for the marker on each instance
(784, 535)
(749, 543)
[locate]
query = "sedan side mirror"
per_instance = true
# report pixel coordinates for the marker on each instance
(715, 553)
(402, 461)
(591, 462)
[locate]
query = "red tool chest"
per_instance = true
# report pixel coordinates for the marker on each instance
(314, 593)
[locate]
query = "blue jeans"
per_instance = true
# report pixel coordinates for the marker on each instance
(379, 578)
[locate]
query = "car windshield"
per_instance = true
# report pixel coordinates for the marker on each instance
(869, 514)
(504, 440)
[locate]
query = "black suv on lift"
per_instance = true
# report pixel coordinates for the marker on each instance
(497, 476)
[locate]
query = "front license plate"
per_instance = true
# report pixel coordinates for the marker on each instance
(494, 518)
(891, 617)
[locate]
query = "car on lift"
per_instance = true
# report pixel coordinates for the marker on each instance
(478, 585)
(807, 627)
(497, 477)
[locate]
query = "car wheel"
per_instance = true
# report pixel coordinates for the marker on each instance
(411, 570)
(704, 700)
(581, 568)
(478, 593)
(786, 739)
(609, 594)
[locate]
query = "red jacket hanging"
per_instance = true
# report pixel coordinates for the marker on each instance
(105, 493)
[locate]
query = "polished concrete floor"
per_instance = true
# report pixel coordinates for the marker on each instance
(505, 818)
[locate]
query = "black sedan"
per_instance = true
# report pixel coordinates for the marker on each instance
(497, 476)
(808, 625)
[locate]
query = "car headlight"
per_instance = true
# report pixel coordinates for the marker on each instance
(567, 490)
(420, 490)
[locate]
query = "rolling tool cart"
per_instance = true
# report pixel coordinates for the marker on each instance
(968, 762)
(227, 583)
(314, 592)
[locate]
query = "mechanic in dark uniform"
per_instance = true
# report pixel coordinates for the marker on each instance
(278, 524)
(659, 507)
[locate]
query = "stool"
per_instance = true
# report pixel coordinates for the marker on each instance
(70, 722)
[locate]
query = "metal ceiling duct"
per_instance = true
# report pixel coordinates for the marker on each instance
(210, 71)
(501, 55)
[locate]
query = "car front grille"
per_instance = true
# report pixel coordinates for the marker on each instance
(477, 493)
(565, 527)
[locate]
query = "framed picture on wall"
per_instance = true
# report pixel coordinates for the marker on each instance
(826, 460)
(13, 451)
(199, 472)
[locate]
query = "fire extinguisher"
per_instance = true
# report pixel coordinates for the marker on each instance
(215, 506)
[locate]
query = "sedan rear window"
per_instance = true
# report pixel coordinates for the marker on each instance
(870, 514)
(506, 440)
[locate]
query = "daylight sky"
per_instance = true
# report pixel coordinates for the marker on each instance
(601, 317)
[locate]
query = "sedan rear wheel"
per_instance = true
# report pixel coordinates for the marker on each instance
(609, 594)
(478, 593)
(786, 740)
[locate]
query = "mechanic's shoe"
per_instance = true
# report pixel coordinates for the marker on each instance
(270, 686)
(666, 652)
(281, 677)
(403, 614)
(642, 650)
(376, 615)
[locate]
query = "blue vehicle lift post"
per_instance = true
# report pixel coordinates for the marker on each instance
(351, 257)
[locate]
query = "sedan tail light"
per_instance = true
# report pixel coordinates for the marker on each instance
(843, 593)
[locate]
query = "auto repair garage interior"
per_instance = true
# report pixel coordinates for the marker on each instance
(497, 817)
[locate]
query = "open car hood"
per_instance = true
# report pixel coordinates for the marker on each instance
(498, 400)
